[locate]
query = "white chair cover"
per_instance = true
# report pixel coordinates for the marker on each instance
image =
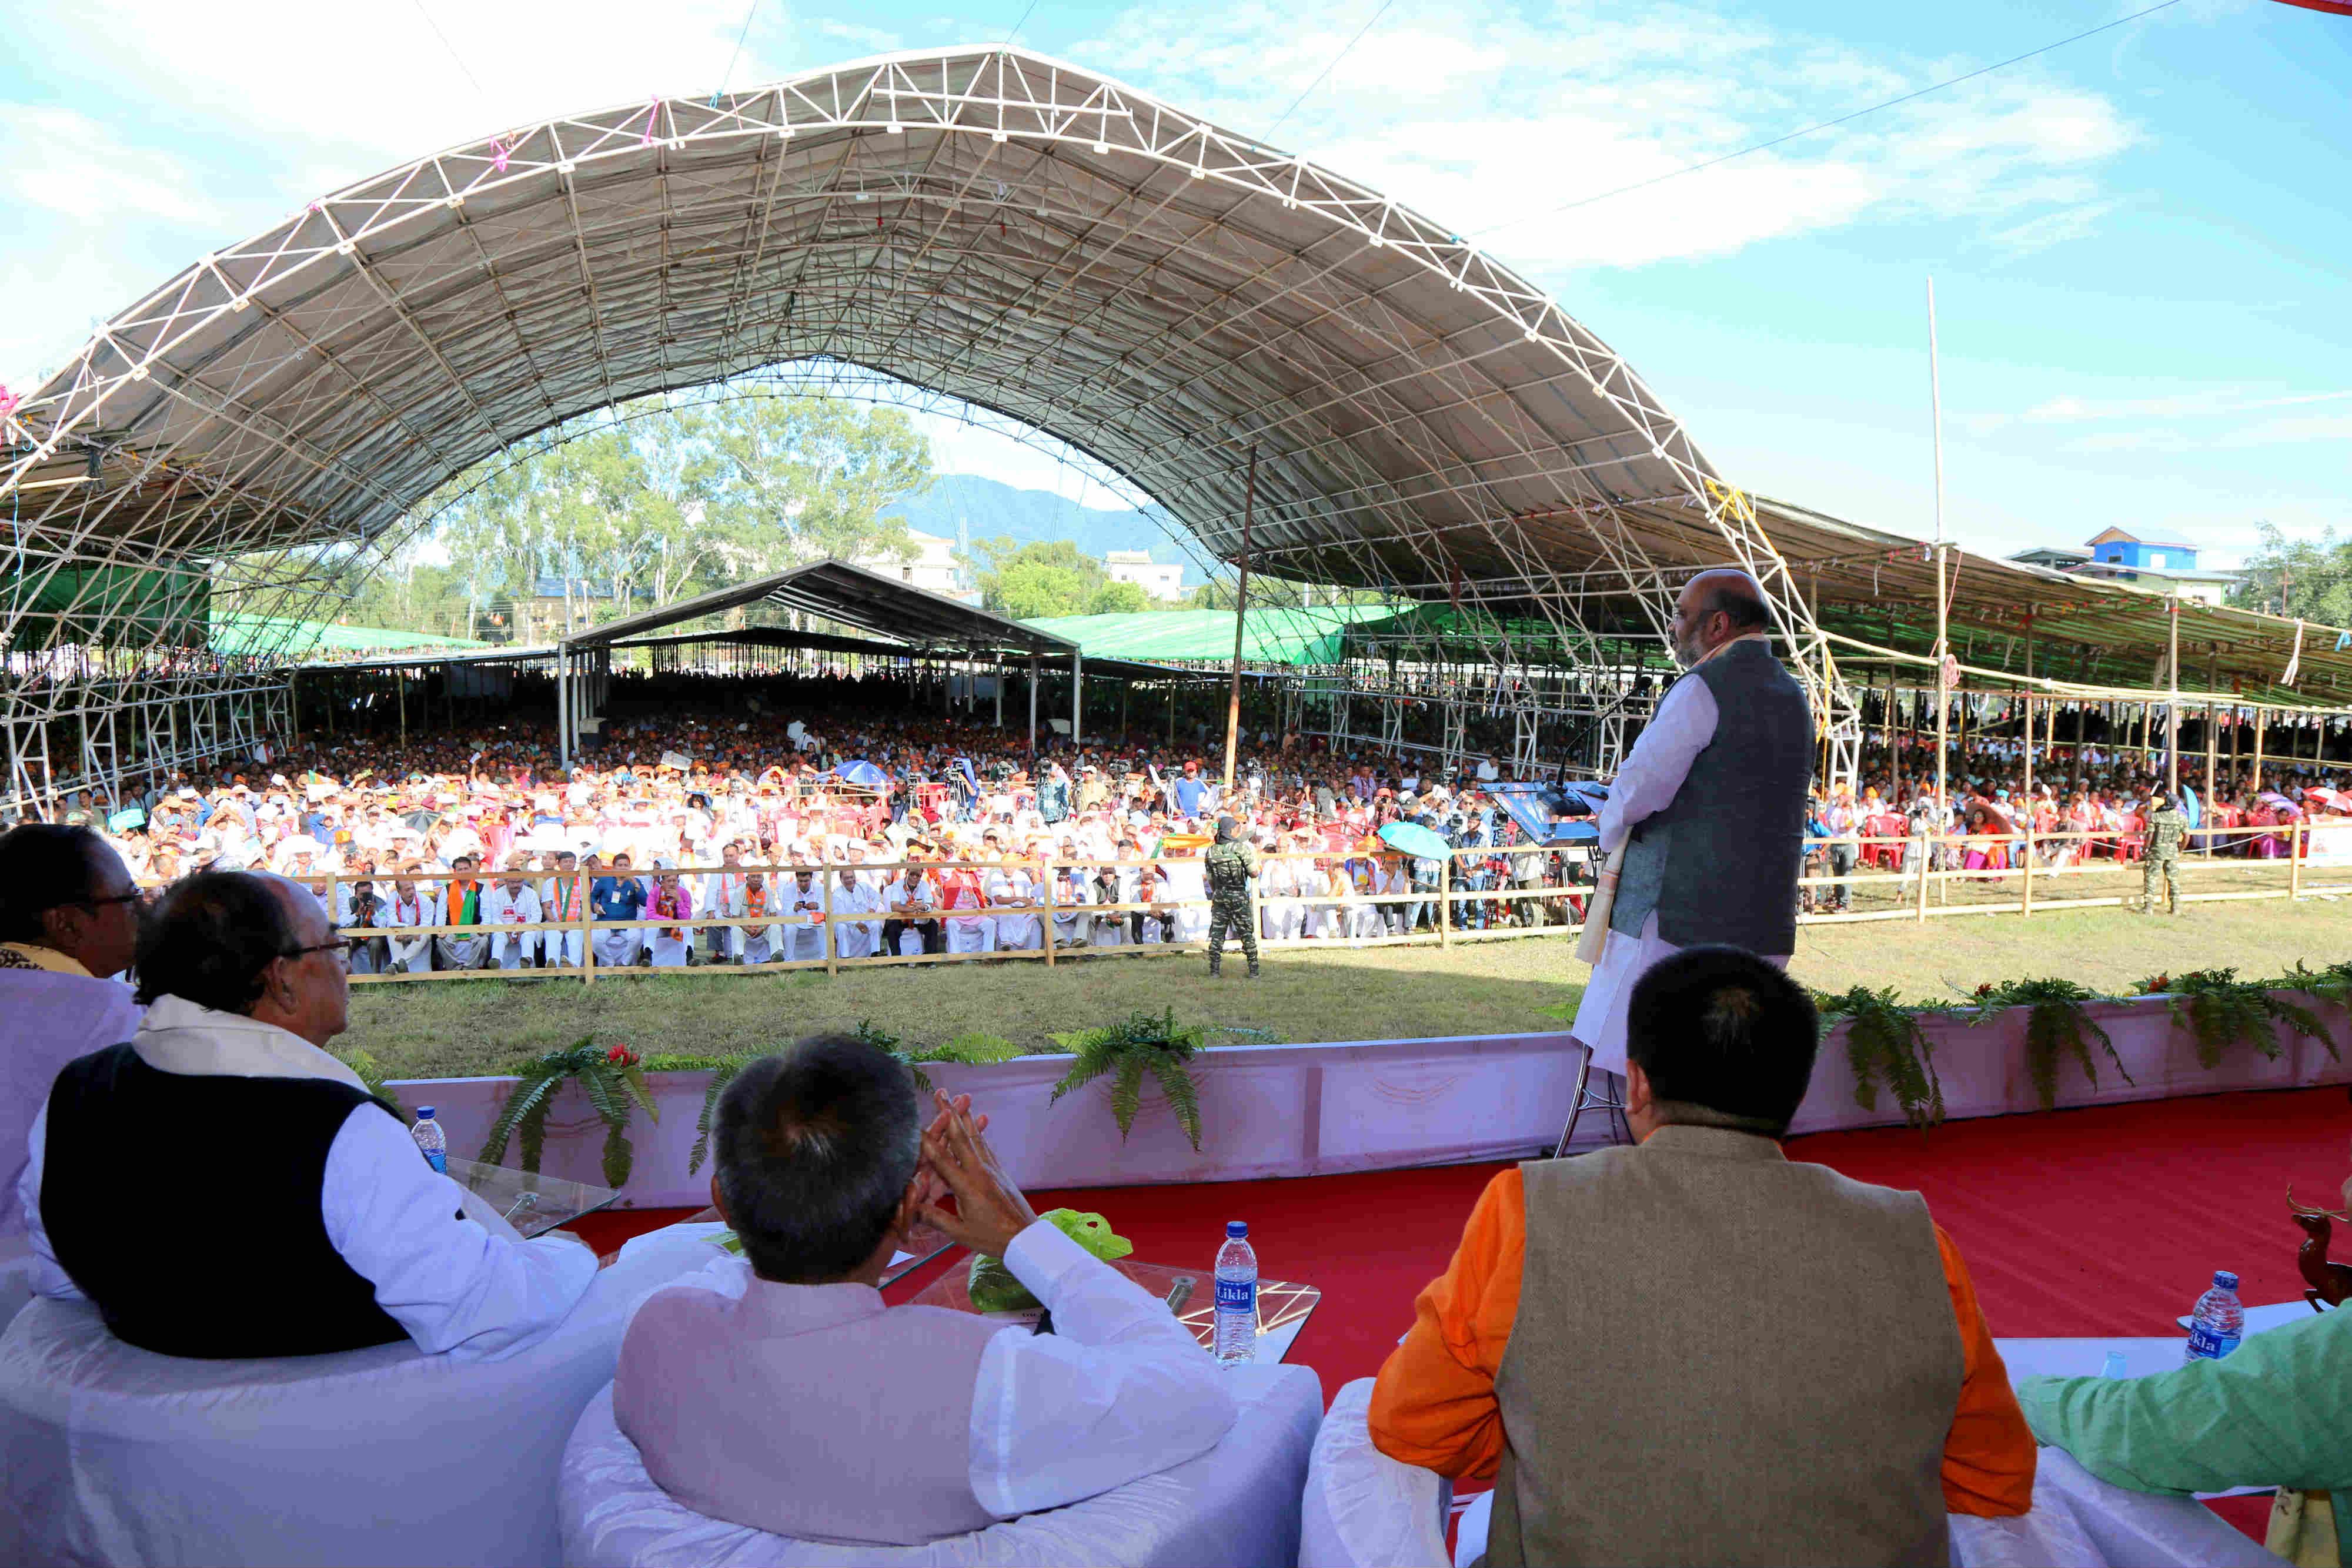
(1237, 1504)
(1362, 1508)
(116, 1454)
(15, 1287)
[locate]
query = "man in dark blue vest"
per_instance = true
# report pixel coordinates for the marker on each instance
(281, 1209)
(1709, 807)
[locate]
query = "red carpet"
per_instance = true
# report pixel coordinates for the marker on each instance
(2105, 1221)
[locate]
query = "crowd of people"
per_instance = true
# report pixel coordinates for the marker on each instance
(828, 779)
(912, 833)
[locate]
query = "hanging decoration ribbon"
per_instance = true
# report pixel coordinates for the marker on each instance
(499, 153)
(8, 401)
(2294, 659)
(653, 113)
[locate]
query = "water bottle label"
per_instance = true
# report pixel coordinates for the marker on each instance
(1236, 1295)
(438, 1159)
(2208, 1344)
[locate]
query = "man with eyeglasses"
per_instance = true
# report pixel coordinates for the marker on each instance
(253, 1157)
(69, 917)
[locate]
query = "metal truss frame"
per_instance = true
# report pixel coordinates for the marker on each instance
(1000, 229)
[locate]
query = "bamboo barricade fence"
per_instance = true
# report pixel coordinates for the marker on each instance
(1916, 888)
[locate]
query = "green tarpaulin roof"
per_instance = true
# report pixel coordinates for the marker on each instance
(272, 636)
(1275, 636)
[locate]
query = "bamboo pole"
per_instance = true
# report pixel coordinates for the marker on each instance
(1444, 901)
(587, 938)
(1241, 622)
(832, 945)
(2295, 861)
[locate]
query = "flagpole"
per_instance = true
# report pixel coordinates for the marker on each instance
(1942, 628)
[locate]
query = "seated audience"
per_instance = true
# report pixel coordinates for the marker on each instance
(69, 917)
(2276, 1411)
(786, 1396)
(1695, 1350)
(221, 1187)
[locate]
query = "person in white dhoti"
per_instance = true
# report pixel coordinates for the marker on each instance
(722, 895)
(1278, 910)
(968, 931)
(409, 905)
(853, 896)
(803, 905)
(1390, 885)
(617, 897)
(1015, 883)
(512, 903)
(1071, 892)
(1109, 930)
(1189, 884)
(672, 945)
(1708, 809)
(461, 905)
(563, 897)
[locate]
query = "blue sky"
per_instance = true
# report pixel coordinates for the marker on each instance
(2140, 242)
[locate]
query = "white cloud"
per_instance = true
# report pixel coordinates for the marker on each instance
(2052, 228)
(326, 95)
(68, 164)
(1490, 120)
(2203, 402)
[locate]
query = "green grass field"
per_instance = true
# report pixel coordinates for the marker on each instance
(458, 1028)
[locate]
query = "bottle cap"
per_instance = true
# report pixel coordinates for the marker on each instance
(424, 1113)
(1236, 1227)
(2225, 1279)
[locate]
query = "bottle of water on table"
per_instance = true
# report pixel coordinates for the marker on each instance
(2218, 1321)
(430, 1142)
(1236, 1297)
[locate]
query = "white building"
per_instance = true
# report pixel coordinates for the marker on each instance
(1136, 566)
(932, 567)
(2156, 565)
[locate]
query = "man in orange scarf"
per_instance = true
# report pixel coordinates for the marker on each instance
(461, 905)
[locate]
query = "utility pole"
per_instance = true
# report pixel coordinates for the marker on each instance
(1241, 617)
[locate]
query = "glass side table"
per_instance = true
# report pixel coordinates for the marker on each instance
(532, 1203)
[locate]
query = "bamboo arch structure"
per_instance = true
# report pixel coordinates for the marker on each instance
(1016, 232)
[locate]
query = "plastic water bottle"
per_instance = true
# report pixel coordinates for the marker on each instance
(1236, 1297)
(2218, 1321)
(2114, 1367)
(429, 1140)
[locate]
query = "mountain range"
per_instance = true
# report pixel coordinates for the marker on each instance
(986, 508)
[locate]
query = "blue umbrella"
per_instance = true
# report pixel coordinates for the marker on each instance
(863, 773)
(1414, 840)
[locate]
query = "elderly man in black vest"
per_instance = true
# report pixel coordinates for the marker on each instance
(1709, 810)
(220, 1186)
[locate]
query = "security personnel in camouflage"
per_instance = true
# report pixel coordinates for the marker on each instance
(2166, 825)
(1229, 864)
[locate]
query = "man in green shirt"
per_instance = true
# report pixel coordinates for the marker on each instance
(2276, 1411)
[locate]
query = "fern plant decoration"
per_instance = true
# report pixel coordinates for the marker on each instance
(1884, 1041)
(1144, 1042)
(2221, 1010)
(2056, 1026)
(613, 1082)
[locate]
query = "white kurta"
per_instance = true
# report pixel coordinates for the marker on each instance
(1682, 727)
(512, 949)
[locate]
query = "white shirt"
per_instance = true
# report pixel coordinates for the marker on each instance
(1119, 1390)
(459, 1290)
(1661, 760)
(501, 907)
